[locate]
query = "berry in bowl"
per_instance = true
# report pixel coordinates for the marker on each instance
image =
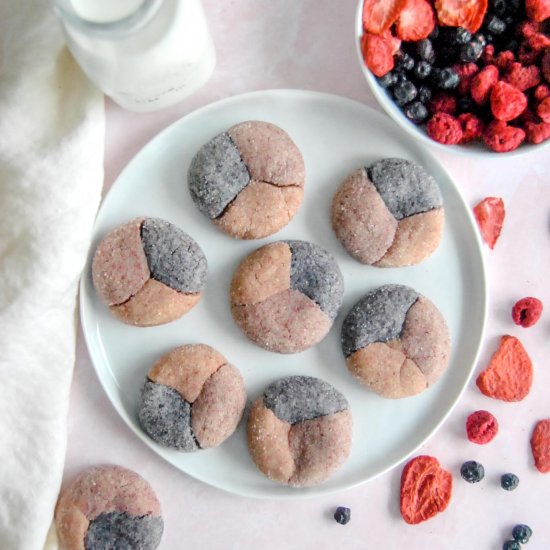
(471, 74)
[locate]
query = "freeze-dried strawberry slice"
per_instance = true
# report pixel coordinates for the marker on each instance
(426, 489)
(510, 373)
(540, 445)
(461, 13)
(416, 21)
(380, 15)
(489, 214)
(537, 10)
(378, 52)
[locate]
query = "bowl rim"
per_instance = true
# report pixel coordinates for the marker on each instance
(381, 96)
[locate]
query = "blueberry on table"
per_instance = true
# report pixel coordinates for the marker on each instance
(416, 112)
(470, 52)
(509, 481)
(522, 533)
(404, 92)
(388, 80)
(342, 515)
(511, 545)
(472, 471)
(446, 79)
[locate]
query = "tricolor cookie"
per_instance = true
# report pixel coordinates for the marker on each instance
(249, 180)
(108, 507)
(395, 341)
(299, 431)
(389, 214)
(286, 295)
(192, 399)
(149, 272)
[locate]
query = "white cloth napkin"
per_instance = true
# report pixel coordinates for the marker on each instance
(52, 126)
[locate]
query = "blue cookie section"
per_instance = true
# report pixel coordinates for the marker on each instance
(405, 187)
(119, 531)
(315, 273)
(298, 398)
(377, 317)
(166, 417)
(217, 174)
(174, 258)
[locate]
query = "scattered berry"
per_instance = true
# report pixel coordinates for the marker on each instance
(425, 50)
(510, 372)
(388, 80)
(504, 59)
(342, 515)
(442, 103)
(424, 94)
(465, 72)
(472, 471)
(502, 138)
(404, 92)
(540, 445)
(511, 545)
(416, 21)
(521, 77)
(472, 127)
(543, 110)
(444, 128)
(542, 91)
(495, 25)
(527, 311)
(403, 61)
(488, 55)
(422, 70)
(446, 79)
(489, 214)
(481, 427)
(507, 102)
(470, 52)
(537, 132)
(426, 489)
(522, 533)
(509, 482)
(416, 112)
(482, 83)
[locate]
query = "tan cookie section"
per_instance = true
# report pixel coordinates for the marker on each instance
(98, 491)
(408, 365)
(300, 455)
(369, 232)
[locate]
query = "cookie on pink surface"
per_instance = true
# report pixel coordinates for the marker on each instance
(299, 431)
(286, 295)
(108, 507)
(248, 180)
(395, 341)
(149, 272)
(389, 214)
(192, 399)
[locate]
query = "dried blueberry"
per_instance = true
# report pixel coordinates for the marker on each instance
(470, 52)
(478, 37)
(425, 50)
(424, 94)
(404, 92)
(342, 515)
(416, 112)
(511, 545)
(461, 35)
(522, 533)
(388, 80)
(472, 471)
(494, 25)
(509, 482)
(403, 61)
(422, 70)
(446, 79)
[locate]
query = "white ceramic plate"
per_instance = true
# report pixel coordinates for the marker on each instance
(336, 136)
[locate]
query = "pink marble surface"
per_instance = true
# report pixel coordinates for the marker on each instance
(310, 45)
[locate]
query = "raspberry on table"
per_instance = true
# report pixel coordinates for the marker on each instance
(444, 128)
(507, 102)
(481, 427)
(527, 311)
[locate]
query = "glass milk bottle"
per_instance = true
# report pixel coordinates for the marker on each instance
(144, 54)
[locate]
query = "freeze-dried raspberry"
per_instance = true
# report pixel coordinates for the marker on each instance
(540, 445)
(543, 110)
(538, 42)
(377, 53)
(537, 132)
(507, 102)
(527, 28)
(527, 55)
(527, 311)
(537, 10)
(488, 55)
(521, 77)
(510, 372)
(542, 91)
(489, 214)
(465, 72)
(426, 489)
(545, 66)
(442, 103)
(481, 427)
(472, 127)
(504, 59)
(502, 138)
(444, 128)
(482, 83)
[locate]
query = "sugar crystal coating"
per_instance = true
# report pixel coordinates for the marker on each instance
(174, 258)
(377, 317)
(405, 187)
(217, 174)
(314, 272)
(166, 417)
(120, 531)
(297, 398)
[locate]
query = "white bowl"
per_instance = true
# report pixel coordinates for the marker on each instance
(474, 149)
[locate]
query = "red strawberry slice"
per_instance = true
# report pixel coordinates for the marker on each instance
(538, 10)
(416, 21)
(461, 13)
(380, 15)
(378, 52)
(489, 214)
